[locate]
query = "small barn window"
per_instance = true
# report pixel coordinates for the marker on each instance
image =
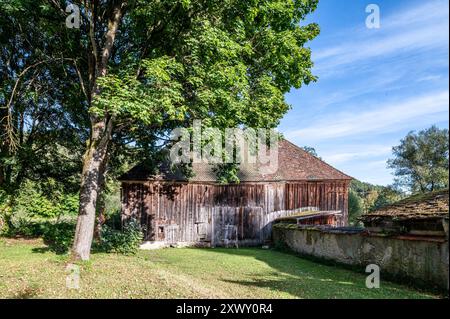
(202, 231)
(161, 232)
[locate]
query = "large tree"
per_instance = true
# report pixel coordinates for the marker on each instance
(42, 126)
(144, 67)
(421, 160)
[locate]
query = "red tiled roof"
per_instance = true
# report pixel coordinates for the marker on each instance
(294, 164)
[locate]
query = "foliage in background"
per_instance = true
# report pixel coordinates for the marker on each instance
(32, 214)
(33, 201)
(386, 196)
(421, 161)
(112, 205)
(34, 205)
(366, 197)
(42, 130)
(420, 164)
(5, 212)
(355, 207)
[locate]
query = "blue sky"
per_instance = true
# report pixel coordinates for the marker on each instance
(375, 85)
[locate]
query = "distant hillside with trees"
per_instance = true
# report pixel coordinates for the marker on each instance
(366, 197)
(420, 163)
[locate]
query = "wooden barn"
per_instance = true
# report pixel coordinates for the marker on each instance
(199, 211)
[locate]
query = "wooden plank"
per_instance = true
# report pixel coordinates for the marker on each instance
(232, 205)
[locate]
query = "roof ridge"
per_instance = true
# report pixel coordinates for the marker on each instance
(295, 164)
(317, 158)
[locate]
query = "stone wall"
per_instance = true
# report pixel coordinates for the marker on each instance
(423, 262)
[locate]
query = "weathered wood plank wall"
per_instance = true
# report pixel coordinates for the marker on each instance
(222, 214)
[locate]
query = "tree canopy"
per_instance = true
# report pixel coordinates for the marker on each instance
(133, 70)
(42, 127)
(421, 160)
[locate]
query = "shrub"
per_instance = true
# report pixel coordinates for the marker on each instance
(4, 229)
(69, 205)
(126, 241)
(5, 213)
(113, 219)
(21, 224)
(31, 209)
(113, 207)
(59, 236)
(30, 201)
(33, 201)
(3, 225)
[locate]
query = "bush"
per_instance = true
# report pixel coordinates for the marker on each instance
(113, 219)
(5, 213)
(69, 205)
(34, 202)
(59, 236)
(57, 233)
(29, 211)
(126, 241)
(4, 229)
(21, 224)
(112, 206)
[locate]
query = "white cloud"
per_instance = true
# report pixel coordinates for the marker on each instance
(426, 12)
(374, 172)
(421, 28)
(378, 119)
(436, 77)
(364, 152)
(383, 81)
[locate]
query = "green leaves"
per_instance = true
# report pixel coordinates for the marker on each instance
(227, 62)
(125, 241)
(36, 202)
(421, 160)
(152, 98)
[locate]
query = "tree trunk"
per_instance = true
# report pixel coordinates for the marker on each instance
(101, 205)
(93, 170)
(3, 145)
(95, 158)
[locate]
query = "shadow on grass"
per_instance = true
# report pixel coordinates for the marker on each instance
(306, 278)
(53, 247)
(41, 250)
(61, 250)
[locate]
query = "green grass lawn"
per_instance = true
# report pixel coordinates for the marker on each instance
(29, 270)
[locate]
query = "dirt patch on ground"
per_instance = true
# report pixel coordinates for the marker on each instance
(11, 241)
